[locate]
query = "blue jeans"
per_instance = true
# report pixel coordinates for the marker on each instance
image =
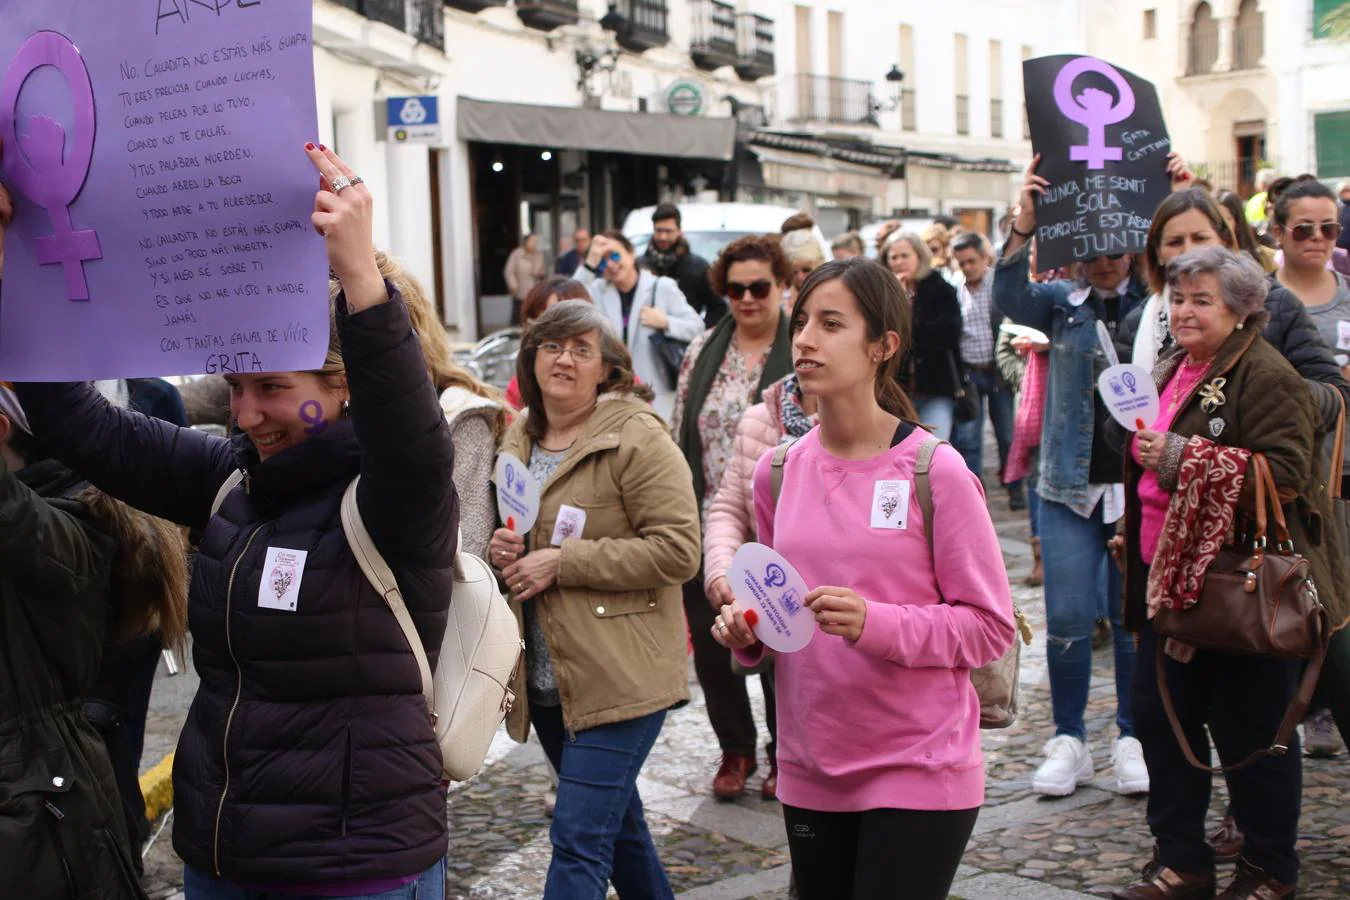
(599, 831)
(197, 885)
(1081, 581)
(968, 437)
(937, 412)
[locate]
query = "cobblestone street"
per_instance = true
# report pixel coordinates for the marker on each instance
(1024, 846)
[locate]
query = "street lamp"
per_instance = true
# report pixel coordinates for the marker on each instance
(592, 61)
(894, 78)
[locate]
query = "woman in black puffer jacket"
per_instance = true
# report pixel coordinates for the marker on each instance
(931, 370)
(308, 764)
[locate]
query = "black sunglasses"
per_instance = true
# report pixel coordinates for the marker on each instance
(758, 289)
(1304, 231)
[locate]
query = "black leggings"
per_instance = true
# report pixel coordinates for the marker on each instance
(878, 854)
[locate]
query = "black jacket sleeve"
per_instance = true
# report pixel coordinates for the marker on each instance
(407, 491)
(165, 470)
(46, 551)
(698, 290)
(1292, 332)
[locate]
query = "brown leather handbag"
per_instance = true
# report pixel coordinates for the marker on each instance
(1260, 602)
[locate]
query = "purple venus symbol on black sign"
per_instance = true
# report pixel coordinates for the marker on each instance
(1093, 108)
(41, 169)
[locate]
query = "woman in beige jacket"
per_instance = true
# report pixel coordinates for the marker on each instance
(525, 267)
(597, 591)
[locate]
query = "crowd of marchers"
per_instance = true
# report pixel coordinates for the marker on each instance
(811, 404)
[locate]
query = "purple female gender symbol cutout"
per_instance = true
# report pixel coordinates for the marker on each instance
(38, 165)
(1093, 108)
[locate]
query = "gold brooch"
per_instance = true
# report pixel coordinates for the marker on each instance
(1211, 395)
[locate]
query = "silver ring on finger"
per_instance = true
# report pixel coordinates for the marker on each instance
(341, 183)
(721, 626)
(357, 179)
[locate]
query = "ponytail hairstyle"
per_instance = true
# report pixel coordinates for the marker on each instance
(883, 306)
(149, 583)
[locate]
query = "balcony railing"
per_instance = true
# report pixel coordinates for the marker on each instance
(547, 15)
(963, 114)
(996, 117)
(646, 26)
(823, 98)
(1202, 51)
(423, 19)
(1248, 45)
(714, 41)
(755, 46)
(909, 117)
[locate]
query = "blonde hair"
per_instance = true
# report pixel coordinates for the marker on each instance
(920, 248)
(441, 367)
(802, 249)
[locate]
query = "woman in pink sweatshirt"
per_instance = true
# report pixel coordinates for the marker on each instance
(880, 772)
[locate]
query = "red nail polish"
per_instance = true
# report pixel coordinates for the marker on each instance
(309, 146)
(1139, 423)
(322, 147)
(510, 523)
(751, 618)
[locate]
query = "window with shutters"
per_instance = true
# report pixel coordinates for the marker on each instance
(1332, 134)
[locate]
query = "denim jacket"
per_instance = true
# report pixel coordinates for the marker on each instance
(1059, 309)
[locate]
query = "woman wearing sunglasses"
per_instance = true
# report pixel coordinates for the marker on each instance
(725, 371)
(639, 304)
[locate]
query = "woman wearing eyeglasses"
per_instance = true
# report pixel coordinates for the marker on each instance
(725, 370)
(598, 594)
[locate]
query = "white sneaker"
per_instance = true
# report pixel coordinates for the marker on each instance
(1127, 759)
(1067, 765)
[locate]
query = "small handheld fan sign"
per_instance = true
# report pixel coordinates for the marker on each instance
(1035, 335)
(1128, 390)
(517, 494)
(766, 585)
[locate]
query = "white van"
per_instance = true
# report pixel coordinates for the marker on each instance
(708, 227)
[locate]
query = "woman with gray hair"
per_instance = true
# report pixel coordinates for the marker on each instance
(596, 585)
(1226, 394)
(931, 370)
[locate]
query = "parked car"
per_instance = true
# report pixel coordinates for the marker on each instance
(708, 227)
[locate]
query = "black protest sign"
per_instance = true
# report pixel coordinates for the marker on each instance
(1103, 145)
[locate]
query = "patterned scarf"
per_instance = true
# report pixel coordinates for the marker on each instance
(1029, 420)
(795, 420)
(1198, 524)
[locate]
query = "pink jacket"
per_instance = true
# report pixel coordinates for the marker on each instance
(730, 521)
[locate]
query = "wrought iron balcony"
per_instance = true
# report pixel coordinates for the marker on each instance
(645, 24)
(755, 43)
(823, 98)
(713, 44)
(423, 19)
(547, 15)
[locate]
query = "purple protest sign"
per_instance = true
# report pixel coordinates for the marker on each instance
(1103, 144)
(162, 192)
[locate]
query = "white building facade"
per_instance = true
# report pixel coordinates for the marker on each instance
(952, 126)
(1244, 83)
(548, 121)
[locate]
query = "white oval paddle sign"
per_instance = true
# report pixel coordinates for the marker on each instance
(1130, 395)
(517, 494)
(765, 582)
(1026, 331)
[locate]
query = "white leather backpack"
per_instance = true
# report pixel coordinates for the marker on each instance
(469, 694)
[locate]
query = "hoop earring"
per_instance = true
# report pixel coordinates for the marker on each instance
(346, 408)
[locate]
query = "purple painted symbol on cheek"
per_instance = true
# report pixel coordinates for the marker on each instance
(311, 412)
(1093, 108)
(40, 168)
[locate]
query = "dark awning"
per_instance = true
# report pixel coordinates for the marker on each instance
(570, 128)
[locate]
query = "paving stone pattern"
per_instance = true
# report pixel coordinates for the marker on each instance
(1024, 846)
